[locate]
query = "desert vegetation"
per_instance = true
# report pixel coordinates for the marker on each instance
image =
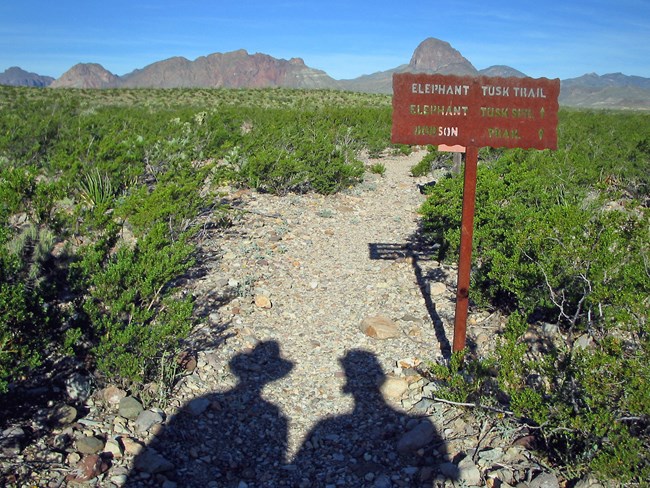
(101, 193)
(561, 247)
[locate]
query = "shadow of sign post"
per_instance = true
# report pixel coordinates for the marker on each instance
(416, 250)
(473, 112)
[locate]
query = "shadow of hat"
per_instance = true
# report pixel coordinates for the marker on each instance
(362, 371)
(262, 364)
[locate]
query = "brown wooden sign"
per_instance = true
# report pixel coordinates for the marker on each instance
(475, 111)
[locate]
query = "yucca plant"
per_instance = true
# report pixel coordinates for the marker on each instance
(95, 189)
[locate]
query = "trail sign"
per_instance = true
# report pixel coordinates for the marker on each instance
(473, 112)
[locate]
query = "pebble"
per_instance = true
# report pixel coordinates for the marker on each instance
(146, 420)
(262, 301)
(114, 448)
(89, 445)
(130, 408)
(119, 480)
(132, 446)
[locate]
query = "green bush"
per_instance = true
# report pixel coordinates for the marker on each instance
(433, 158)
(287, 151)
(25, 324)
(563, 238)
(132, 308)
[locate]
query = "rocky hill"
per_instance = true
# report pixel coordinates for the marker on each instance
(432, 56)
(15, 76)
(237, 69)
(86, 75)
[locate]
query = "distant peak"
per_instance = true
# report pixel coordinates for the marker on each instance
(436, 56)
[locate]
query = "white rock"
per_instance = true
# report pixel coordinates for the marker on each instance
(379, 327)
(113, 447)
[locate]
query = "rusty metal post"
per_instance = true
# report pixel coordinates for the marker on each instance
(465, 260)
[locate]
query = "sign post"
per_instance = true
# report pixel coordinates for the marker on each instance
(473, 112)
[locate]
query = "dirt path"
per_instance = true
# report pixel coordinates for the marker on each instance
(326, 263)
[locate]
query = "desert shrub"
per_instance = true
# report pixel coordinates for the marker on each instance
(174, 200)
(288, 151)
(433, 159)
(563, 238)
(131, 307)
(27, 324)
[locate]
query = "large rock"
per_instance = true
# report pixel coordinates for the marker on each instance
(113, 395)
(63, 415)
(78, 387)
(88, 468)
(197, 406)
(438, 288)
(379, 327)
(468, 472)
(393, 387)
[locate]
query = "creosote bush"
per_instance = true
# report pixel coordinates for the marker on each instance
(132, 307)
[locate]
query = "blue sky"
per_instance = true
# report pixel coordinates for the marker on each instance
(346, 38)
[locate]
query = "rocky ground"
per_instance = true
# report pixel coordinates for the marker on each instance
(318, 316)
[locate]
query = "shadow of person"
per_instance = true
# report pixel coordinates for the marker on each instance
(223, 439)
(373, 446)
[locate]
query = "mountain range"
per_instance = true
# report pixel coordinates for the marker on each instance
(16, 76)
(239, 69)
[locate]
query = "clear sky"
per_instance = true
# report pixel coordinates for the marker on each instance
(346, 38)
